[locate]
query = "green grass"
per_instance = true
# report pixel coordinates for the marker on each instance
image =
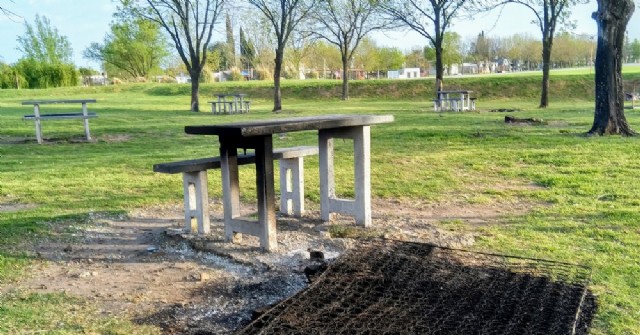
(586, 208)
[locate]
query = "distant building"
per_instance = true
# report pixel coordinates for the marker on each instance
(183, 79)
(406, 73)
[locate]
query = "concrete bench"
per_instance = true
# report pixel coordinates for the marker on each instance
(194, 177)
(37, 116)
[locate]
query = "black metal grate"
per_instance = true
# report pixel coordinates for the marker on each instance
(392, 287)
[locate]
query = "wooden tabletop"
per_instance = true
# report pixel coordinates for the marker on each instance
(273, 126)
(42, 102)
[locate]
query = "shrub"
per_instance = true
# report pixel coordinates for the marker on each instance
(235, 75)
(42, 75)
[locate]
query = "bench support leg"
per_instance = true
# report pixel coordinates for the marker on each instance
(87, 134)
(360, 207)
(36, 112)
(196, 201)
(292, 186)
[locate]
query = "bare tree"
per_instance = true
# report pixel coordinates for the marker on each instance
(612, 18)
(549, 14)
(344, 23)
(429, 18)
(284, 16)
(190, 25)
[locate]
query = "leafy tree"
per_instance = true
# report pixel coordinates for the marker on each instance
(612, 18)
(284, 16)
(44, 44)
(217, 56)
(390, 59)
(231, 43)
(429, 18)
(344, 23)
(44, 75)
(299, 47)
(136, 47)
(10, 77)
(635, 50)
(190, 25)
(247, 52)
(325, 57)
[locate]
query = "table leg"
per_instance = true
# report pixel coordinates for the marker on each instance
(266, 193)
(327, 176)
(234, 226)
(85, 113)
(361, 206)
(230, 189)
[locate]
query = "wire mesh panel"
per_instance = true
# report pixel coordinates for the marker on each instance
(392, 287)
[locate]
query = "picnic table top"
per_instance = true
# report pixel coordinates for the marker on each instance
(63, 101)
(457, 91)
(273, 126)
(230, 94)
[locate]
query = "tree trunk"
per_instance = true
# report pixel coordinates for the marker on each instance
(612, 18)
(195, 89)
(546, 64)
(277, 95)
(439, 69)
(345, 80)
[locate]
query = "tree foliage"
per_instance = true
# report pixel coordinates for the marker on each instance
(44, 44)
(46, 60)
(135, 46)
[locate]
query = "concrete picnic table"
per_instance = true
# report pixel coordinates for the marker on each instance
(237, 103)
(461, 101)
(258, 135)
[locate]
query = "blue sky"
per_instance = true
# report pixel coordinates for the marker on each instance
(87, 21)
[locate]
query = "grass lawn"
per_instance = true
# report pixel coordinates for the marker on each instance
(585, 206)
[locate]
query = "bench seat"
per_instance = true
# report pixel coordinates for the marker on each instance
(194, 175)
(60, 116)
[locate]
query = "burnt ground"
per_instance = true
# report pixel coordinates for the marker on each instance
(128, 265)
(395, 287)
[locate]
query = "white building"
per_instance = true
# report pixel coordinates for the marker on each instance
(406, 73)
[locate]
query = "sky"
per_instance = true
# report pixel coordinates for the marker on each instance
(87, 21)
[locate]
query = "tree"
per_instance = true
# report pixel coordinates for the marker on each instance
(44, 44)
(635, 50)
(451, 50)
(429, 18)
(247, 52)
(549, 14)
(612, 18)
(344, 23)
(299, 47)
(190, 25)
(284, 16)
(136, 47)
(231, 43)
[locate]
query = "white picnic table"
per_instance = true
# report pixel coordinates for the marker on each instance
(230, 103)
(459, 100)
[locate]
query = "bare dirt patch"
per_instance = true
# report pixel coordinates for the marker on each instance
(130, 267)
(9, 207)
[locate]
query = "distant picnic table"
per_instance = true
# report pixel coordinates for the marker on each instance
(230, 103)
(37, 116)
(460, 100)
